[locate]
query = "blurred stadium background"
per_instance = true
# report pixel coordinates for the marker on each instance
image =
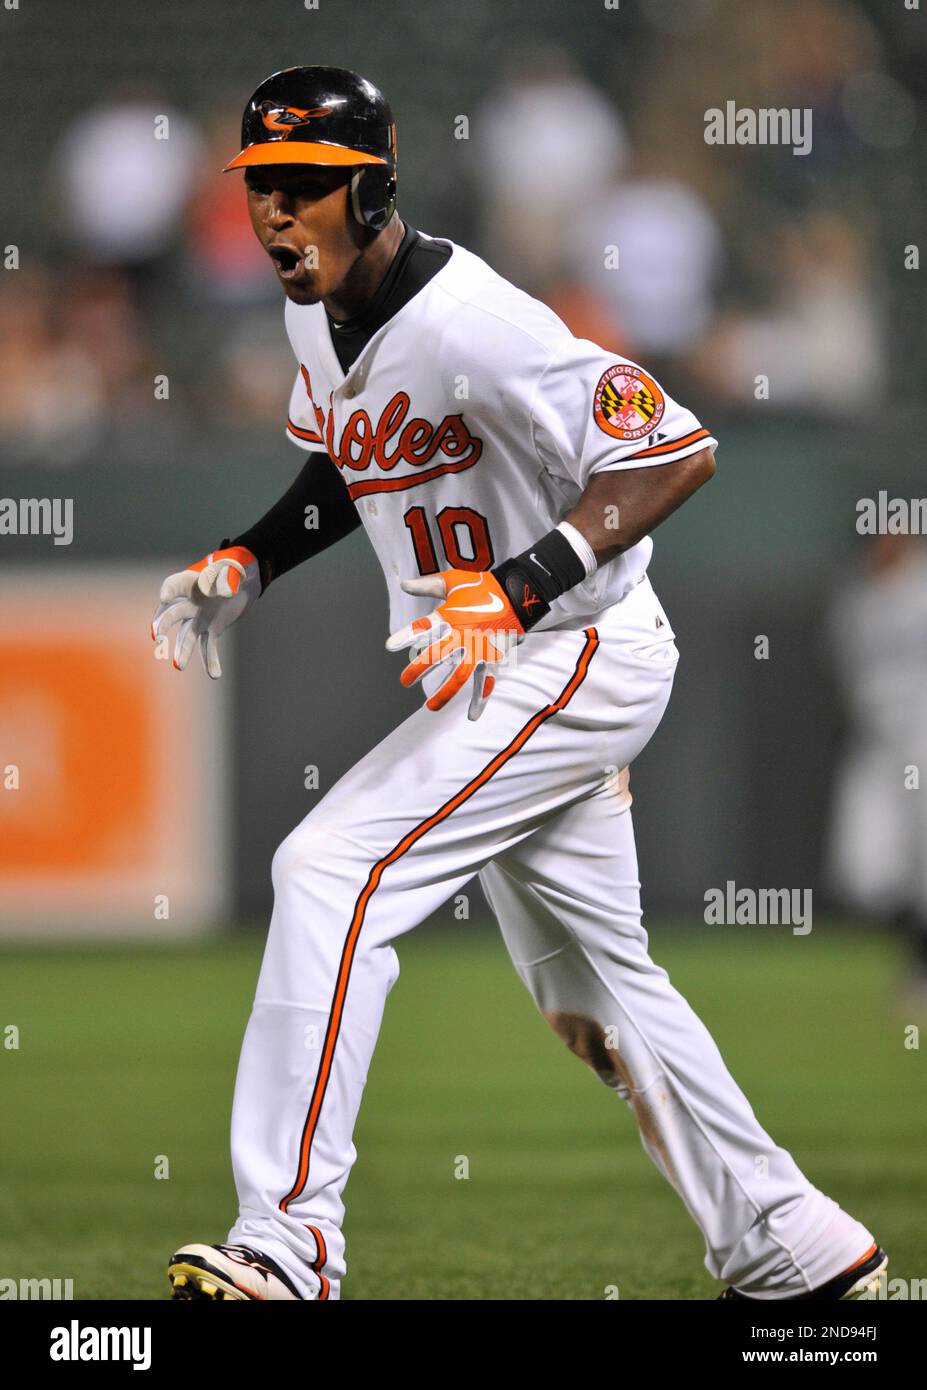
(144, 373)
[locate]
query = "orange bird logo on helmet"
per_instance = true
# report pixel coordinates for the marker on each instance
(286, 118)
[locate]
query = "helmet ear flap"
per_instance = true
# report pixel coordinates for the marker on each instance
(355, 186)
(373, 195)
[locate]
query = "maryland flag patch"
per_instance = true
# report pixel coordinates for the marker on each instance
(628, 403)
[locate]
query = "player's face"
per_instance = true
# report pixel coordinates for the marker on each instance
(302, 217)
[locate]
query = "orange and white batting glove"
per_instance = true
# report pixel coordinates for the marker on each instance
(475, 625)
(205, 599)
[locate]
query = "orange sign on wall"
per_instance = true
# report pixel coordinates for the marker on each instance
(112, 764)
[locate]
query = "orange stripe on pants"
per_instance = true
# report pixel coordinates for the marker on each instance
(376, 873)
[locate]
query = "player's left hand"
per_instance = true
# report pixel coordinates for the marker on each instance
(475, 623)
(205, 599)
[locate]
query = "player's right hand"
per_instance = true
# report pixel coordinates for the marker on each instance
(205, 599)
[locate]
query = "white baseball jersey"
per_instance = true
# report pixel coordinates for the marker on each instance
(469, 426)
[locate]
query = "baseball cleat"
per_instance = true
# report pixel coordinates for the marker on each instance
(860, 1280)
(218, 1272)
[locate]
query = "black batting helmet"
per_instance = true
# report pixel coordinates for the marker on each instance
(322, 115)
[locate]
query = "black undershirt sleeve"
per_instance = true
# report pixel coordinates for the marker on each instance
(281, 540)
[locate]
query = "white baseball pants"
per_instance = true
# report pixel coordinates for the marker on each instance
(534, 798)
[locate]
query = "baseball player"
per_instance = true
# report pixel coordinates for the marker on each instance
(508, 476)
(878, 834)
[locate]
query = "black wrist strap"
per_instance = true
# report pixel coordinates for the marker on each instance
(539, 575)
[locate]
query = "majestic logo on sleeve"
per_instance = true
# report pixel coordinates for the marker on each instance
(628, 403)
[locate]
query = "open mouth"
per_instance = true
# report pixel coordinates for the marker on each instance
(288, 262)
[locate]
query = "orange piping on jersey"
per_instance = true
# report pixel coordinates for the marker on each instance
(311, 436)
(376, 873)
(306, 382)
(671, 446)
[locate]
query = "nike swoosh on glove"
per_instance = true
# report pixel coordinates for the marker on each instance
(205, 599)
(475, 623)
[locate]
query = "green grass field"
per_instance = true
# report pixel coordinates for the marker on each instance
(129, 1054)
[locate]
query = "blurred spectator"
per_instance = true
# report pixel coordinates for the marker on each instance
(99, 323)
(50, 395)
(249, 382)
(732, 50)
(124, 190)
(556, 183)
(545, 142)
(70, 362)
(226, 264)
(587, 316)
(832, 44)
(819, 342)
(878, 842)
(669, 250)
